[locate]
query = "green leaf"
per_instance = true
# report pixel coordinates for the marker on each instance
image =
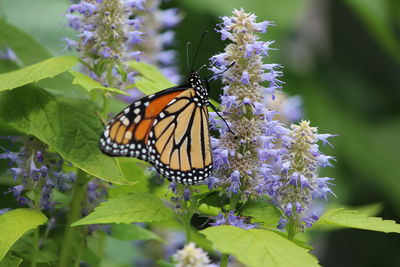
(354, 219)
(212, 198)
(258, 248)
(27, 49)
(163, 263)
(150, 72)
(209, 210)
(68, 126)
(132, 232)
(261, 212)
(136, 207)
(14, 224)
(10, 261)
(36, 72)
(48, 250)
(152, 80)
(134, 172)
(89, 84)
(299, 242)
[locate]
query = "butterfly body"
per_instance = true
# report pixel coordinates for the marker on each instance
(169, 129)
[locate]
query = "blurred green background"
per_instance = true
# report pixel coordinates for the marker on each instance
(342, 57)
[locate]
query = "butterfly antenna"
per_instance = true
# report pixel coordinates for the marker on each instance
(221, 72)
(198, 48)
(201, 67)
(187, 55)
(226, 123)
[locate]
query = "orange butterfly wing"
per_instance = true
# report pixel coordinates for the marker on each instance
(127, 133)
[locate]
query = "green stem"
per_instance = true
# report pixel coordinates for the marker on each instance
(78, 256)
(106, 105)
(101, 242)
(70, 233)
(187, 216)
(224, 260)
(188, 227)
(188, 213)
(35, 244)
(233, 201)
(292, 228)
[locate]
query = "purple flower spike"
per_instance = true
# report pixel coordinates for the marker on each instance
(84, 8)
(170, 17)
(173, 185)
(86, 36)
(235, 182)
(16, 190)
(234, 220)
(16, 172)
(186, 194)
(289, 210)
(263, 156)
(39, 156)
(134, 37)
(282, 223)
(106, 52)
(212, 181)
(299, 208)
(245, 78)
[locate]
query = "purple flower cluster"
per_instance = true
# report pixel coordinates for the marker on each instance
(96, 192)
(8, 54)
(299, 185)
(234, 220)
(35, 169)
(156, 25)
(182, 194)
(244, 161)
(264, 156)
(108, 36)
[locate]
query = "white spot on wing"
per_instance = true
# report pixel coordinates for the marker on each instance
(125, 121)
(137, 119)
(128, 135)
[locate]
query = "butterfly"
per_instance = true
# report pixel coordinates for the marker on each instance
(168, 129)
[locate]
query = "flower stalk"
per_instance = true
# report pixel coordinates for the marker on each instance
(75, 213)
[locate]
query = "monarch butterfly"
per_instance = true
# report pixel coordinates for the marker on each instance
(169, 129)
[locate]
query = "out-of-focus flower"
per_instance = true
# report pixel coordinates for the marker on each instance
(289, 107)
(33, 168)
(191, 256)
(156, 25)
(8, 54)
(108, 36)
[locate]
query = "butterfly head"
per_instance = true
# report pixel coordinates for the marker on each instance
(196, 83)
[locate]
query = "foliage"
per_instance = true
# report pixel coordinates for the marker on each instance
(64, 109)
(257, 247)
(16, 223)
(135, 207)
